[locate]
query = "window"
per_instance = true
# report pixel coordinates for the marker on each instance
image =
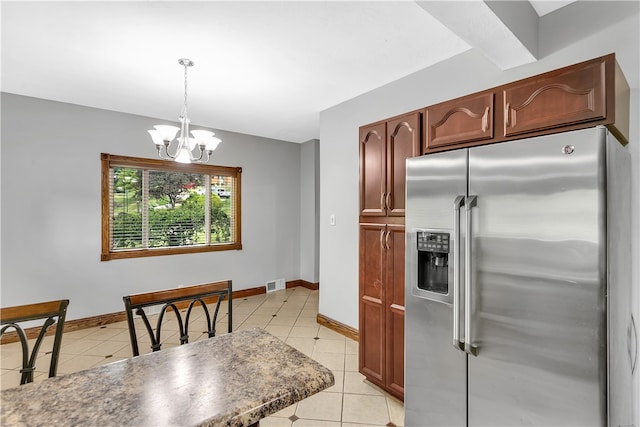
(156, 207)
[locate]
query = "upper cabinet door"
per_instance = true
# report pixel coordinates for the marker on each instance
(574, 96)
(460, 120)
(373, 170)
(403, 141)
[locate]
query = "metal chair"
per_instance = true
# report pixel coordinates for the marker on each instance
(54, 312)
(172, 299)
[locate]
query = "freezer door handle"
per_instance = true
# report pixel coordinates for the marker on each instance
(632, 344)
(469, 347)
(457, 204)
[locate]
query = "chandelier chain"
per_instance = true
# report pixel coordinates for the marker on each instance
(184, 106)
(184, 112)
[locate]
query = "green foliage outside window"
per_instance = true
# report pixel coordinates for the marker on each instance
(179, 222)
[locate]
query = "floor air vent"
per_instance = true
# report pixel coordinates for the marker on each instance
(275, 285)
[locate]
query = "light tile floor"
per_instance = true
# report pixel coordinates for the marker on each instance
(289, 315)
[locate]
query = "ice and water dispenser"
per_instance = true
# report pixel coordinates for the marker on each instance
(433, 261)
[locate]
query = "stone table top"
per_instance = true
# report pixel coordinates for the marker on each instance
(230, 380)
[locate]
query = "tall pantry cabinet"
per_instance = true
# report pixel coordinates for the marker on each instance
(384, 147)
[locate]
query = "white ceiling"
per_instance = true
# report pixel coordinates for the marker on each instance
(261, 68)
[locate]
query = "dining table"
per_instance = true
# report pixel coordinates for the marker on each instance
(234, 379)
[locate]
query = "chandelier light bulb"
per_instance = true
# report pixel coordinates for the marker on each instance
(167, 133)
(155, 137)
(212, 144)
(183, 156)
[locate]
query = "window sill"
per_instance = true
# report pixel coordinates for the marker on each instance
(140, 253)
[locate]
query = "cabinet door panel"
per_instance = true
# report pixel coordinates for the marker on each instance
(573, 97)
(403, 141)
(372, 260)
(371, 339)
(395, 242)
(394, 304)
(465, 119)
(371, 331)
(372, 170)
(395, 351)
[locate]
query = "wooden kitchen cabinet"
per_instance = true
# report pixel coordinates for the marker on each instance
(381, 329)
(460, 120)
(572, 95)
(384, 147)
(582, 95)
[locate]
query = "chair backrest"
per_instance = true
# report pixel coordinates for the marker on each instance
(171, 299)
(54, 312)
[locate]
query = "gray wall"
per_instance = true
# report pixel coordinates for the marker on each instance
(50, 202)
(464, 74)
(309, 205)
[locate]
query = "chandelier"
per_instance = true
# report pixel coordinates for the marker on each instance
(195, 148)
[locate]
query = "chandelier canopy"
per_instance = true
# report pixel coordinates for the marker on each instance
(195, 148)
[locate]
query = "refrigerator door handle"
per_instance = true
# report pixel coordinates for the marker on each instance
(469, 347)
(632, 344)
(457, 204)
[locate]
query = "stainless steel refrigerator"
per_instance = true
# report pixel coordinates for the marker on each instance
(518, 308)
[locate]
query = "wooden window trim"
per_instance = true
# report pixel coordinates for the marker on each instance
(110, 160)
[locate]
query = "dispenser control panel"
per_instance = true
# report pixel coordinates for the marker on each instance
(433, 261)
(433, 242)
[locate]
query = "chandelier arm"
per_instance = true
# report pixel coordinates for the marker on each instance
(200, 148)
(163, 156)
(167, 154)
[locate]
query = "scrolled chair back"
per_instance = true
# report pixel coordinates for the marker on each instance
(53, 313)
